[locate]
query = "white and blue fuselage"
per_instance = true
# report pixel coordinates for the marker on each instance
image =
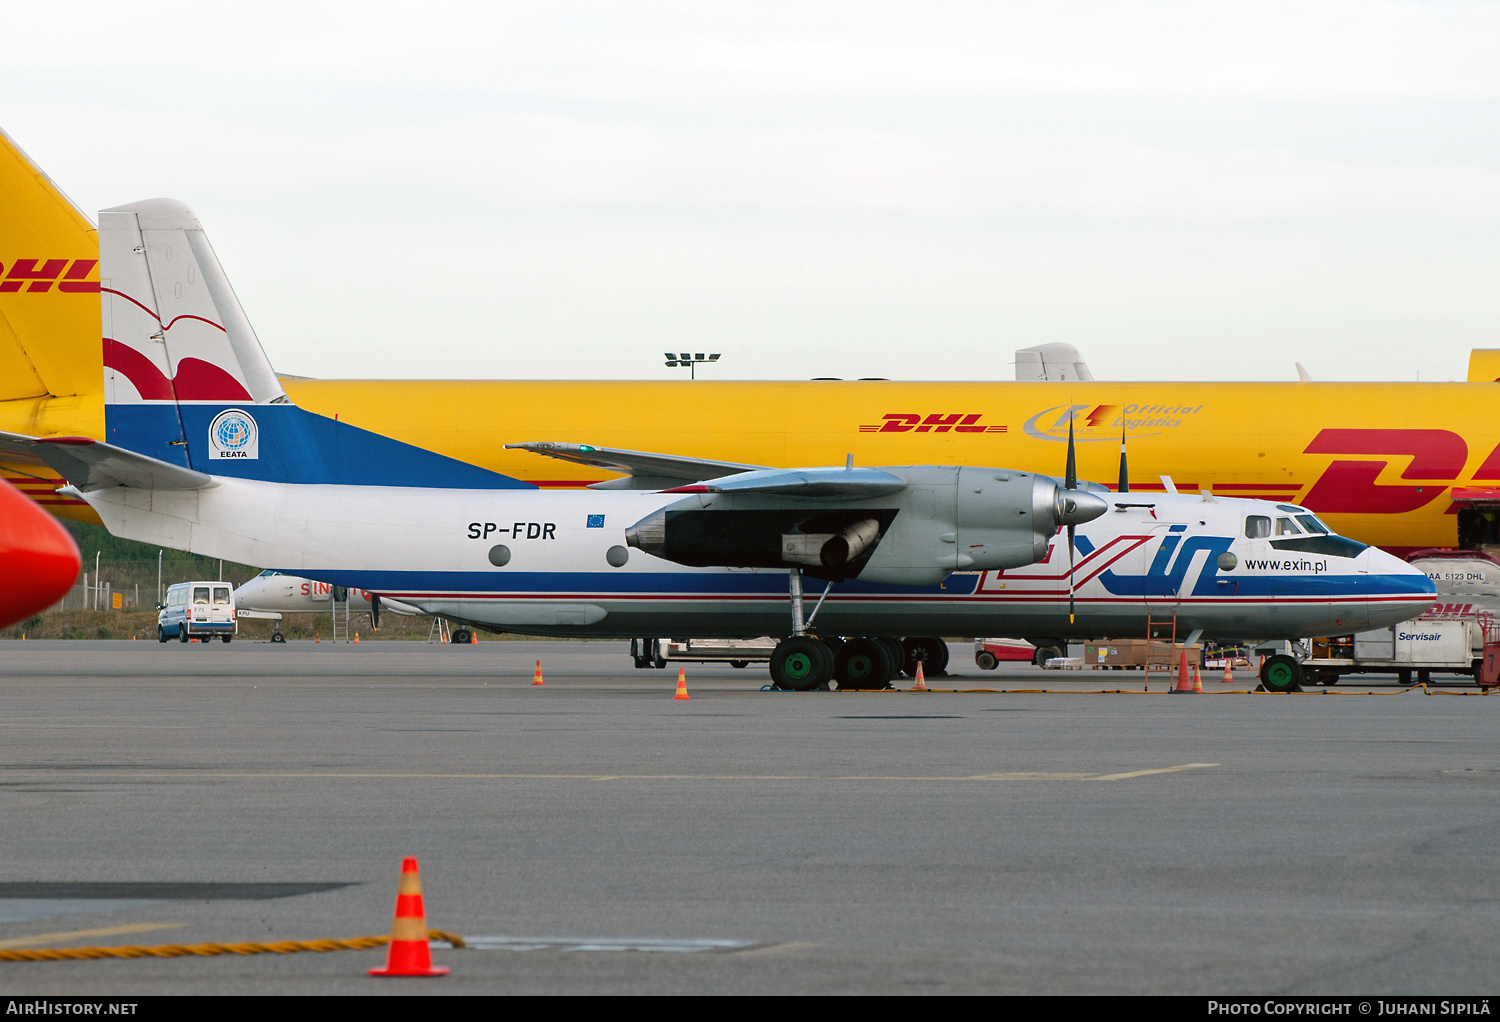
(559, 564)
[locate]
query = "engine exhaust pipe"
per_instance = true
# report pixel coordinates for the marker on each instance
(849, 544)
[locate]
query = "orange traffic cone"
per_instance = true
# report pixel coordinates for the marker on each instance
(536, 679)
(356, 638)
(921, 683)
(1197, 681)
(682, 684)
(408, 953)
(474, 638)
(1184, 679)
(317, 637)
(1228, 678)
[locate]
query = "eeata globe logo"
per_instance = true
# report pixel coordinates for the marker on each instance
(233, 434)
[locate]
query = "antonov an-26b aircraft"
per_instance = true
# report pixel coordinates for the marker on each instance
(206, 453)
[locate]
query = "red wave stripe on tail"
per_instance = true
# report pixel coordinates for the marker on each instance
(138, 369)
(197, 380)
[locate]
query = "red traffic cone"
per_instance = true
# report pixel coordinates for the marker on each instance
(1197, 681)
(474, 637)
(536, 679)
(921, 682)
(408, 953)
(356, 638)
(682, 684)
(1184, 678)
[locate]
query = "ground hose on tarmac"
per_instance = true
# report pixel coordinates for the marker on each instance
(282, 947)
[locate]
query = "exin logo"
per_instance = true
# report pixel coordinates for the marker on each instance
(233, 434)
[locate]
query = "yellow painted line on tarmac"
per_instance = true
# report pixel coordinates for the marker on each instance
(65, 936)
(274, 776)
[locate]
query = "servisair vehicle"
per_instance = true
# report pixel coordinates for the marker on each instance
(207, 453)
(1401, 465)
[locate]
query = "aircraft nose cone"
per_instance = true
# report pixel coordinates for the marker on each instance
(38, 558)
(1078, 506)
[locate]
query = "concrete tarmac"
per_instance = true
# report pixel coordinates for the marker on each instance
(760, 842)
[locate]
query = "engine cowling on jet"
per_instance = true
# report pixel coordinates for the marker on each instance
(932, 521)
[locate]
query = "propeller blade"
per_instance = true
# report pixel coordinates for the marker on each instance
(1070, 477)
(1124, 473)
(1070, 575)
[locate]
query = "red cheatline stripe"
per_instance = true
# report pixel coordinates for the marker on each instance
(1258, 486)
(147, 311)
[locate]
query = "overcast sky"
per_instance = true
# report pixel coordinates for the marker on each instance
(1183, 190)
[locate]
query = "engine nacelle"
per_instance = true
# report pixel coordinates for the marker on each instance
(945, 519)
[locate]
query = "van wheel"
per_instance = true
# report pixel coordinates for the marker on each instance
(227, 637)
(161, 634)
(986, 660)
(277, 637)
(182, 635)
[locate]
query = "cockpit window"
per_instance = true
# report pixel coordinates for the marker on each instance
(1257, 527)
(1287, 527)
(1311, 524)
(267, 573)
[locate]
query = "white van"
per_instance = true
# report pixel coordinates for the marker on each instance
(197, 610)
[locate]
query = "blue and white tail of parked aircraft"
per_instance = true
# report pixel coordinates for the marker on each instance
(207, 454)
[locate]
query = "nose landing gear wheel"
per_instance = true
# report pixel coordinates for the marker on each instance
(277, 637)
(461, 637)
(863, 664)
(801, 663)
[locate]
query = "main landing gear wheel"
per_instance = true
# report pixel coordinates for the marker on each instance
(801, 663)
(277, 637)
(1281, 673)
(931, 652)
(863, 663)
(462, 637)
(897, 654)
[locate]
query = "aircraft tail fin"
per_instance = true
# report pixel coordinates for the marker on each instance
(186, 380)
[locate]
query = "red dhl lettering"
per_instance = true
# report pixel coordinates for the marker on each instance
(38, 275)
(936, 422)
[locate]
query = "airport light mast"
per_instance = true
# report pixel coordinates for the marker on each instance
(691, 361)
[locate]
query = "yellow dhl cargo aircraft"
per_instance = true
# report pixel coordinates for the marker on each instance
(1401, 465)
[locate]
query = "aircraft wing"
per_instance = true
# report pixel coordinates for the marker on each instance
(803, 482)
(640, 464)
(92, 465)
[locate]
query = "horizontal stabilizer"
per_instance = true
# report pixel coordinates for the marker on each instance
(635, 463)
(851, 483)
(91, 465)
